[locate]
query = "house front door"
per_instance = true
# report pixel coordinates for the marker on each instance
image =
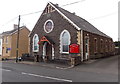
(47, 51)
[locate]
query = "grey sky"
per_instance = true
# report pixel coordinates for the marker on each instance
(103, 14)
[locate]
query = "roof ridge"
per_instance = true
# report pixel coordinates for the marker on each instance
(80, 22)
(12, 31)
(57, 8)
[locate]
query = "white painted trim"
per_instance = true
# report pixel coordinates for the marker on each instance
(44, 50)
(95, 38)
(81, 45)
(52, 25)
(37, 44)
(65, 17)
(87, 44)
(101, 39)
(65, 52)
(61, 48)
(29, 34)
(53, 53)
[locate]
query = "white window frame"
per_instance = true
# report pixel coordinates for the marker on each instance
(52, 25)
(37, 44)
(53, 52)
(61, 45)
(6, 40)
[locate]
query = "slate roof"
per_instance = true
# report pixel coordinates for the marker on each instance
(80, 22)
(11, 31)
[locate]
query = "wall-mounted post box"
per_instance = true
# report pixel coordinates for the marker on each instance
(74, 48)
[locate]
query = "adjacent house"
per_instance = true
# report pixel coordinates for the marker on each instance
(59, 34)
(0, 45)
(9, 42)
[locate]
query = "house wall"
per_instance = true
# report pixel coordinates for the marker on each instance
(60, 24)
(23, 42)
(6, 43)
(0, 46)
(28, 44)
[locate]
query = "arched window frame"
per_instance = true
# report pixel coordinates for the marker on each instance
(61, 44)
(36, 42)
(52, 25)
(101, 45)
(95, 45)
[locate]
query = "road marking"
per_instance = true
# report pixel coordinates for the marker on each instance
(24, 73)
(48, 77)
(6, 70)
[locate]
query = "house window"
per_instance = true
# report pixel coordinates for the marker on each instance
(110, 45)
(35, 43)
(95, 45)
(101, 45)
(6, 39)
(3, 40)
(64, 42)
(6, 50)
(86, 44)
(106, 45)
(48, 26)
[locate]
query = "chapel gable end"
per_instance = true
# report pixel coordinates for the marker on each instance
(48, 9)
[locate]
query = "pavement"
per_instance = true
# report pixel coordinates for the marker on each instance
(63, 65)
(57, 65)
(43, 64)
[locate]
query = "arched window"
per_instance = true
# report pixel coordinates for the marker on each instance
(64, 42)
(35, 43)
(48, 26)
(95, 45)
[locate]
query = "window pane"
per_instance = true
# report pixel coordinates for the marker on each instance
(65, 38)
(65, 41)
(65, 48)
(48, 26)
(35, 47)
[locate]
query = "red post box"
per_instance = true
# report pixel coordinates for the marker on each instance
(74, 48)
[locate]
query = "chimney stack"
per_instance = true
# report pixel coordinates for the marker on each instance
(57, 5)
(15, 26)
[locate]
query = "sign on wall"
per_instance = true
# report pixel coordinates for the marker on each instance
(8, 48)
(74, 48)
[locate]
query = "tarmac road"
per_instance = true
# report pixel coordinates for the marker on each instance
(100, 70)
